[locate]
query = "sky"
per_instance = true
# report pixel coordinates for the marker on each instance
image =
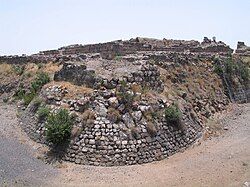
(30, 26)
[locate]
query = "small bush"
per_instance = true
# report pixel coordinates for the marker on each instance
(28, 97)
(5, 100)
(151, 114)
(37, 101)
(126, 97)
(244, 73)
(230, 67)
(40, 65)
(218, 69)
(173, 114)
(118, 57)
(20, 93)
(18, 69)
(59, 127)
(40, 80)
(28, 74)
(43, 112)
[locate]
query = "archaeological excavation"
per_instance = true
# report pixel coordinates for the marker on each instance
(126, 102)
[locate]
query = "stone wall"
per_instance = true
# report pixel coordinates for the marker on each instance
(23, 59)
(242, 49)
(103, 139)
(148, 76)
(106, 144)
(77, 74)
(111, 49)
(241, 95)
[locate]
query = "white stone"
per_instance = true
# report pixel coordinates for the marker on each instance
(124, 142)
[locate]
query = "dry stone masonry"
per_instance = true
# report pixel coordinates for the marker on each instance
(121, 119)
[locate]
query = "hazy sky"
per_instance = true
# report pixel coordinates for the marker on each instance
(28, 26)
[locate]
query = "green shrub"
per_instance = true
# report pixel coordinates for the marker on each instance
(118, 57)
(244, 73)
(43, 112)
(40, 65)
(218, 69)
(28, 97)
(173, 114)
(18, 69)
(40, 80)
(230, 67)
(5, 100)
(20, 93)
(125, 95)
(59, 127)
(28, 74)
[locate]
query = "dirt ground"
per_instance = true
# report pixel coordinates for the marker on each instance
(222, 160)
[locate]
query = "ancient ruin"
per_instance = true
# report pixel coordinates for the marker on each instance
(119, 93)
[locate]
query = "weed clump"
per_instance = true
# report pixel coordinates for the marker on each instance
(113, 115)
(43, 113)
(40, 80)
(125, 96)
(151, 129)
(27, 96)
(18, 69)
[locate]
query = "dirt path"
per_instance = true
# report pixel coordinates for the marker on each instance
(18, 165)
(219, 161)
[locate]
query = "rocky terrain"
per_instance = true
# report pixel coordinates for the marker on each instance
(133, 101)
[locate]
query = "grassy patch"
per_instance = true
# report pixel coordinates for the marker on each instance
(43, 113)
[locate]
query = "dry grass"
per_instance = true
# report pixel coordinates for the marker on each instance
(200, 80)
(76, 131)
(5, 69)
(135, 132)
(113, 115)
(73, 90)
(246, 60)
(32, 68)
(151, 129)
(136, 88)
(51, 68)
(88, 114)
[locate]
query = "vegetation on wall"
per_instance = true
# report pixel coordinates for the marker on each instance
(231, 68)
(173, 114)
(59, 126)
(28, 95)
